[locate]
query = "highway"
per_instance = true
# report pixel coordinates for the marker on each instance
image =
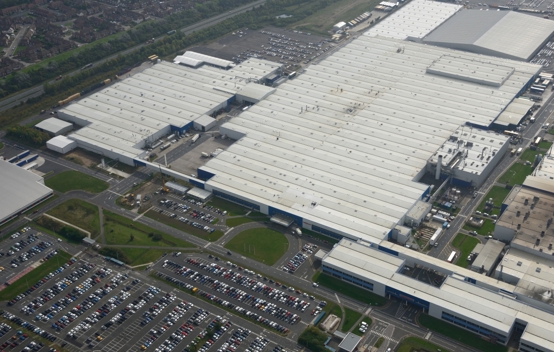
(13, 100)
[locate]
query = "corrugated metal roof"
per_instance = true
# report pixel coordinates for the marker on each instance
(53, 125)
(60, 141)
(501, 33)
(414, 20)
(19, 188)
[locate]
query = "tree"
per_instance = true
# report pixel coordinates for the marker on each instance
(71, 234)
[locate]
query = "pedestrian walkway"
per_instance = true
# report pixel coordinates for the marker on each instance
(68, 224)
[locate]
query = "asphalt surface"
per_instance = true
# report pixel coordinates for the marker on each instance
(543, 115)
(39, 90)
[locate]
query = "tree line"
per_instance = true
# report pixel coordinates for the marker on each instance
(259, 17)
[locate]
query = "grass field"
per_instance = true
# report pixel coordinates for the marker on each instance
(263, 245)
(80, 214)
(349, 290)
(498, 194)
(336, 310)
(516, 174)
(342, 10)
(485, 230)
(232, 222)
(356, 330)
(529, 155)
(32, 277)
(458, 334)
(140, 256)
(351, 317)
(416, 344)
(75, 180)
(184, 227)
(231, 208)
(465, 244)
(119, 230)
(545, 145)
(1, 145)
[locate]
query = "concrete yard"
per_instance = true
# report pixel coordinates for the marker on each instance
(192, 160)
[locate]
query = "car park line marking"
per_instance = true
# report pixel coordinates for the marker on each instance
(121, 195)
(337, 296)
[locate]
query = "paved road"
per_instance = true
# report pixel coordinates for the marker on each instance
(11, 49)
(39, 90)
(542, 115)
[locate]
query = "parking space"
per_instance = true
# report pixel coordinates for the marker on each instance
(290, 47)
(252, 295)
(293, 264)
(15, 339)
(23, 249)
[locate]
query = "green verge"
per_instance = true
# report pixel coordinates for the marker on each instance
(516, 174)
(263, 245)
(529, 155)
(79, 213)
(366, 320)
(351, 317)
(416, 344)
(231, 208)
(118, 230)
(498, 194)
(465, 244)
(349, 290)
(232, 222)
(485, 230)
(545, 145)
(1, 145)
(139, 256)
(458, 334)
(32, 277)
(214, 236)
(75, 180)
(379, 342)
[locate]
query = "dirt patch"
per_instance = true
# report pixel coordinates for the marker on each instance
(83, 157)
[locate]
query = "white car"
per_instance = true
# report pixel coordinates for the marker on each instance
(315, 284)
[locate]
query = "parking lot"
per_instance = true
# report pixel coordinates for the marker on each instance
(23, 249)
(87, 306)
(278, 307)
(275, 44)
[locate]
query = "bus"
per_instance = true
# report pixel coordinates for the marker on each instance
(452, 256)
(536, 143)
(511, 133)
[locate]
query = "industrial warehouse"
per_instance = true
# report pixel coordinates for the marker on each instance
(21, 189)
(342, 149)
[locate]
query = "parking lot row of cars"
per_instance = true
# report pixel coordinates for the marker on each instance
(188, 221)
(234, 341)
(294, 263)
(23, 257)
(24, 324)
(42, 281)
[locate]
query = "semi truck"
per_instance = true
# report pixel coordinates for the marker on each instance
(195, 138)
(435, 237)
(165, 146)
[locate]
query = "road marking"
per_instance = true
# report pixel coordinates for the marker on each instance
(207, 244)
(28, 219)
(228, 231)
(428, 336)
(338, 300)
(121, 195)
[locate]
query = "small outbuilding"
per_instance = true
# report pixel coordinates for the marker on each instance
(176, 188)
(61, 144)
(349, 343)
(54, 126)
(200, 194)
(204, 123)
(253, 93)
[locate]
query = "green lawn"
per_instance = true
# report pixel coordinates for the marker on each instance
(184, 227)
(231, 208)
(416, 344)
(498, 194)
(1, 145)
(349, 290)
(80, 214)
(32, 277)
(139, 256)
(351, 317)
(75, 180)
(356, 330)
(263, 245)
(465, 244)
(336, 310)
(232, 222)
(458, 334)
(529, 155)
(516, 174)
(119, 230)
(545, 145)
(485, 230)
(319, 236)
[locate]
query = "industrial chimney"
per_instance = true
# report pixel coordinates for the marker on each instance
(438, 171)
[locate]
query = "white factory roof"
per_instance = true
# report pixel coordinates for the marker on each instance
(53, 125)
(354, 132)
(507, 34)
(414, 20)
(60, 142)
(255, 92)
(204, 120)
(470, 149)
(129, 111)
(488, 307)
(19, 188)
(203, 58)
(514, 112)
(486, 259)
(545, 170)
